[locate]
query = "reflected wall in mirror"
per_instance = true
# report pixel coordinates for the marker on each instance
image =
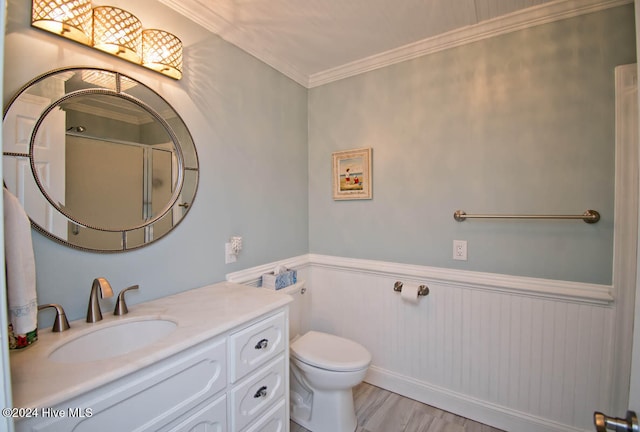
(99, 161)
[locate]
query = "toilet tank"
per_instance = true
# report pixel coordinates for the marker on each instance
(299, 309)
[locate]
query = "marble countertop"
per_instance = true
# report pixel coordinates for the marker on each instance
(201, 314)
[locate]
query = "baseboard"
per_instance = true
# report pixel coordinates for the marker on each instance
(467, 406)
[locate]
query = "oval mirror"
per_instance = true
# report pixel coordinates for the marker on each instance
(99, 161)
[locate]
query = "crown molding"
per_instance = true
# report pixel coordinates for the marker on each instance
(520, 20)
(205, 17)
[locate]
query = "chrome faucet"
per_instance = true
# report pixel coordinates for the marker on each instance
(94, 314)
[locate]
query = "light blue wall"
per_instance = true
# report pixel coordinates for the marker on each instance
(520, 123)
(249, 123)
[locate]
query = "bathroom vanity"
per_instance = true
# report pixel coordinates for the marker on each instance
(217, 361)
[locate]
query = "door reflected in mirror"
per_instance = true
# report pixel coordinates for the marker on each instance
(109, 172)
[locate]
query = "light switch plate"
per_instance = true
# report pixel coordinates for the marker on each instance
(229, 256)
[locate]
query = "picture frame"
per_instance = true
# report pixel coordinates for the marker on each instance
(352, 177)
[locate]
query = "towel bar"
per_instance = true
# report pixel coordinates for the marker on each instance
(589, 216)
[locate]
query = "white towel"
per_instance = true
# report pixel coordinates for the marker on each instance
(20, 267)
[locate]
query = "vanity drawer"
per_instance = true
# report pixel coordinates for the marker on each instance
(257, 393)
(273, 421)
(212, 417)
(256, 344)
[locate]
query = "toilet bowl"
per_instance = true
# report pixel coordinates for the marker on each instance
(324, 369)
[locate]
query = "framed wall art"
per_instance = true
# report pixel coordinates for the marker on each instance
(352, 174)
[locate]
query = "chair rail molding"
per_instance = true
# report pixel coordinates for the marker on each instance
(252, 276)
(578, 292)
(535, 287)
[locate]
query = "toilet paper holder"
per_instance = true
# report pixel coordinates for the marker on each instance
(423, 290)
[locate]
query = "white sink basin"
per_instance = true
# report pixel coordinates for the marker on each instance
(112, 340)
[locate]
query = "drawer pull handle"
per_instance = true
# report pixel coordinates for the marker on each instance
(262, 344)
(262, 392)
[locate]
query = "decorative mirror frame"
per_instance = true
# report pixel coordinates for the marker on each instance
(179, 146)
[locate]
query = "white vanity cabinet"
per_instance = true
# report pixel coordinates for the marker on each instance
(237, 381)
(178, 390)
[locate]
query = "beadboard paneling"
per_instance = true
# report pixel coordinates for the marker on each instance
(513, 360)
(520, 354)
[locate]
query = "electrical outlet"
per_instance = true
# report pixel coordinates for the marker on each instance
(460, 250)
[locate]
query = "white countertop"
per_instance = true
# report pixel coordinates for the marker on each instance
(200, 313)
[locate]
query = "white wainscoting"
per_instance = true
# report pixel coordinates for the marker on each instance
(518, 359)
(515, 360)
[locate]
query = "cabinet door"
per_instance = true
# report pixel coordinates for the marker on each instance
(257, 393)
(256, 344)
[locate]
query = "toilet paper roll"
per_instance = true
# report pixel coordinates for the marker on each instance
(409, 293)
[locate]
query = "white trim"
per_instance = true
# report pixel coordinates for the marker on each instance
(6, 398)
(477, 409)
(536, 287)
(251, 276)
(626, 233)
(634, 391)
(204, 16)
(579, 292)
(520, 20)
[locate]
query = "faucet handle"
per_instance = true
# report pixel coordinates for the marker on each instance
(121, 305)
(60, 323)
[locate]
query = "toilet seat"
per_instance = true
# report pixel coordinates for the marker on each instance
(330, 352)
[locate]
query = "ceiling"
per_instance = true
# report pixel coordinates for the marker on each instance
(318, 41)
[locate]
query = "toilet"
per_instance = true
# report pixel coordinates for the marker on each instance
(323, 370)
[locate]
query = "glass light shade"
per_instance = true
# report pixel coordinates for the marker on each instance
(117, 32)
(106, 79)
(68, 18)
(162, 52)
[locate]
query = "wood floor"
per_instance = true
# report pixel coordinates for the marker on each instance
(379, 410)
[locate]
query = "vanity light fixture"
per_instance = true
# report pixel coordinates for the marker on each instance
(71, 19)
(162, 52)
(117, 32)
(112, 30)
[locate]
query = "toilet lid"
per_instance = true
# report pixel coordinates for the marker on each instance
(330, 352)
